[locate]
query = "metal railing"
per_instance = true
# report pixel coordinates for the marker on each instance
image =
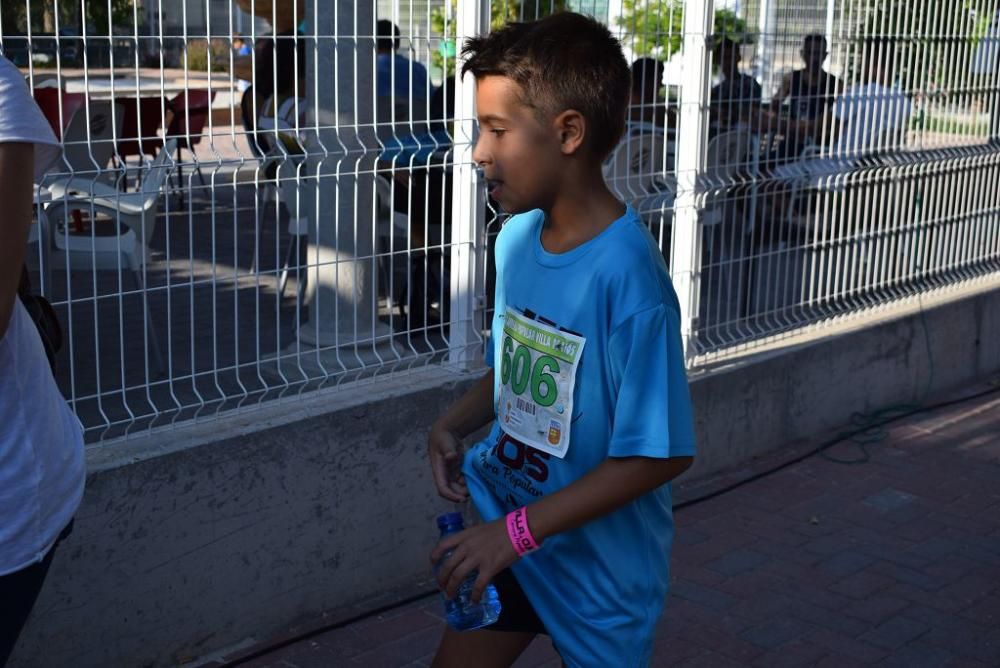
(318, 220)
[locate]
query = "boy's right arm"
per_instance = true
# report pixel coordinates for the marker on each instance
(444, 444)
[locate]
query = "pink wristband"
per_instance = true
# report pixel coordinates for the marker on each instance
(520, 536)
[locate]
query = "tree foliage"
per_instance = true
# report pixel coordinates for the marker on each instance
(501, 13)
(656, 27)
(928, 39)
(14, 15)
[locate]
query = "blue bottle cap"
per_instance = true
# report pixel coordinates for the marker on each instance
(450, 520)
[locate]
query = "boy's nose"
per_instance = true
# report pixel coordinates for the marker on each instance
(479, 156)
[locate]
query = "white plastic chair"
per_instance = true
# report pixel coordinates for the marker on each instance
(635, 171)
(725, 155)
(133, 217)
(88, 146)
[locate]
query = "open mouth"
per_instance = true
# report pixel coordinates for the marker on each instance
(494, 187)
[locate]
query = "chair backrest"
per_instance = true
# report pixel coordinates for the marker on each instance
(726, 154)
(259, 144)
(47, 81)
(281, 126)
(50, 99)
(89, 142)
(636, 166)
(143, 118)
(156, 176)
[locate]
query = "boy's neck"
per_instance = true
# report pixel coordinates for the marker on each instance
(583, 209)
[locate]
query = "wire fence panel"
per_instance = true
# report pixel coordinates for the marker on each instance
(263, 198)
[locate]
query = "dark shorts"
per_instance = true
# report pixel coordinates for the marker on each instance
(18, 592)
(516, 612)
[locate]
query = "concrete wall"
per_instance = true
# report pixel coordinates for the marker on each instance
(240, 529)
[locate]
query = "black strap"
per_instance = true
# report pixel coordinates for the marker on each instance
(44, 316)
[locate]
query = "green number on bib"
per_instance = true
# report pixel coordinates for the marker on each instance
(520, 370)
(540, 379)
(508, 346)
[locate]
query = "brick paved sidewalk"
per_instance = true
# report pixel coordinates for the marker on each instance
(894, 562)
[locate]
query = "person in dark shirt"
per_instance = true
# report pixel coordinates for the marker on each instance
(738, 95)
(395, 74)
(805, 97)
(647, 106)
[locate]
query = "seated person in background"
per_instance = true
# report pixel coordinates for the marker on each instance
(276, 51)
(985, 66)
(737, 97)
(395, 74)
(647, 107)
(442, 110)
(805, 97)
(872, 114)
(869, 118)
(241, 51)
(277, 73)
(241, 47)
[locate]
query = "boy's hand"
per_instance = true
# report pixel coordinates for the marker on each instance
(445, 452)
(485, 548)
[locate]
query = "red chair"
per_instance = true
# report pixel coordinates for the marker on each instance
(141, 126)
(49, 99)
(191, 109)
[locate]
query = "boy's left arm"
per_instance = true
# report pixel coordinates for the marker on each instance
(616, 482)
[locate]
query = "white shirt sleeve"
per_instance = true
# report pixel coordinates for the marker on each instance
(22, 121)
(843, 106)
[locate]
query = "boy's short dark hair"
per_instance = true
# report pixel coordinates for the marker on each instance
(563, 61)
(386, 35)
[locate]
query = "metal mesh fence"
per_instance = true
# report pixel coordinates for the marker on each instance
(262, 198)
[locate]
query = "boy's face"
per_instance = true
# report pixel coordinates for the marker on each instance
(520, 156)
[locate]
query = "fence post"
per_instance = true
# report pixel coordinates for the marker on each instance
(468, 247)
(337, 193)
(692, 142)
(767, 27)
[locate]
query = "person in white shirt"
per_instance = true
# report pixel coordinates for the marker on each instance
(986, 68)
(873, 113)
(42, 467)
(869, 118)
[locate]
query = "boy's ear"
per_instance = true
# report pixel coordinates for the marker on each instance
(571, 128)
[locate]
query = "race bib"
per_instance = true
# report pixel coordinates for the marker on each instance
(538, 366)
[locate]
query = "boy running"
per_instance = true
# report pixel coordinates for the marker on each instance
(586, 390)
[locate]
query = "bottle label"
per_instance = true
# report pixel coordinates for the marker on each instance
(538, 365)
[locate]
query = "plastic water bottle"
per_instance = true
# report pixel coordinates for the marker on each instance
(461, 612)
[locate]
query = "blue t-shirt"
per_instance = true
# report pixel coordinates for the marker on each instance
(599, 589)
(400, 76)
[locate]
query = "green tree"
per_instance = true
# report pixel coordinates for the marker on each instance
(501, 12)
(656, 27)
(121, 15)
(14, 15)
(927, 38)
